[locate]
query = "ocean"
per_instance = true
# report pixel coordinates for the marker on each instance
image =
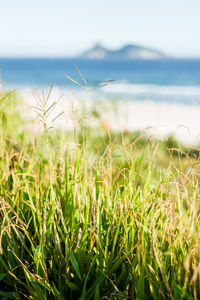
(163, 80)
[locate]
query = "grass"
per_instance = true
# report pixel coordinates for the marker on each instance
(96, 215)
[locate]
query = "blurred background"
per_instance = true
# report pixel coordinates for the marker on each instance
(151, 49)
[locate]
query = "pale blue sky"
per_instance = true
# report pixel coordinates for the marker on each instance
(61, 28)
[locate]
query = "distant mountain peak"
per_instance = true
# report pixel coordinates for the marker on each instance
(98, 46)
(97, 52)
(126, 52)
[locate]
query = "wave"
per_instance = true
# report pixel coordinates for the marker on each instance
(127, 88)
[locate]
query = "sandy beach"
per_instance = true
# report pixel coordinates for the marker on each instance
(156, 119)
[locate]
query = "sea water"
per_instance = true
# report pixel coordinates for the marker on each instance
(168, 80)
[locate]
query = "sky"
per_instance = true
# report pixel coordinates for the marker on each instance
(61, 28)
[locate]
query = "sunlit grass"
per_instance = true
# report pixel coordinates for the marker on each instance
(95, 214)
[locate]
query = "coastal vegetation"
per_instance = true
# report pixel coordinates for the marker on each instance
(93, 214)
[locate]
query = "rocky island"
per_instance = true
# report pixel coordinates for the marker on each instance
(126, 52)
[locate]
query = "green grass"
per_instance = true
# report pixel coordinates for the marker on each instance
(96, 215)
